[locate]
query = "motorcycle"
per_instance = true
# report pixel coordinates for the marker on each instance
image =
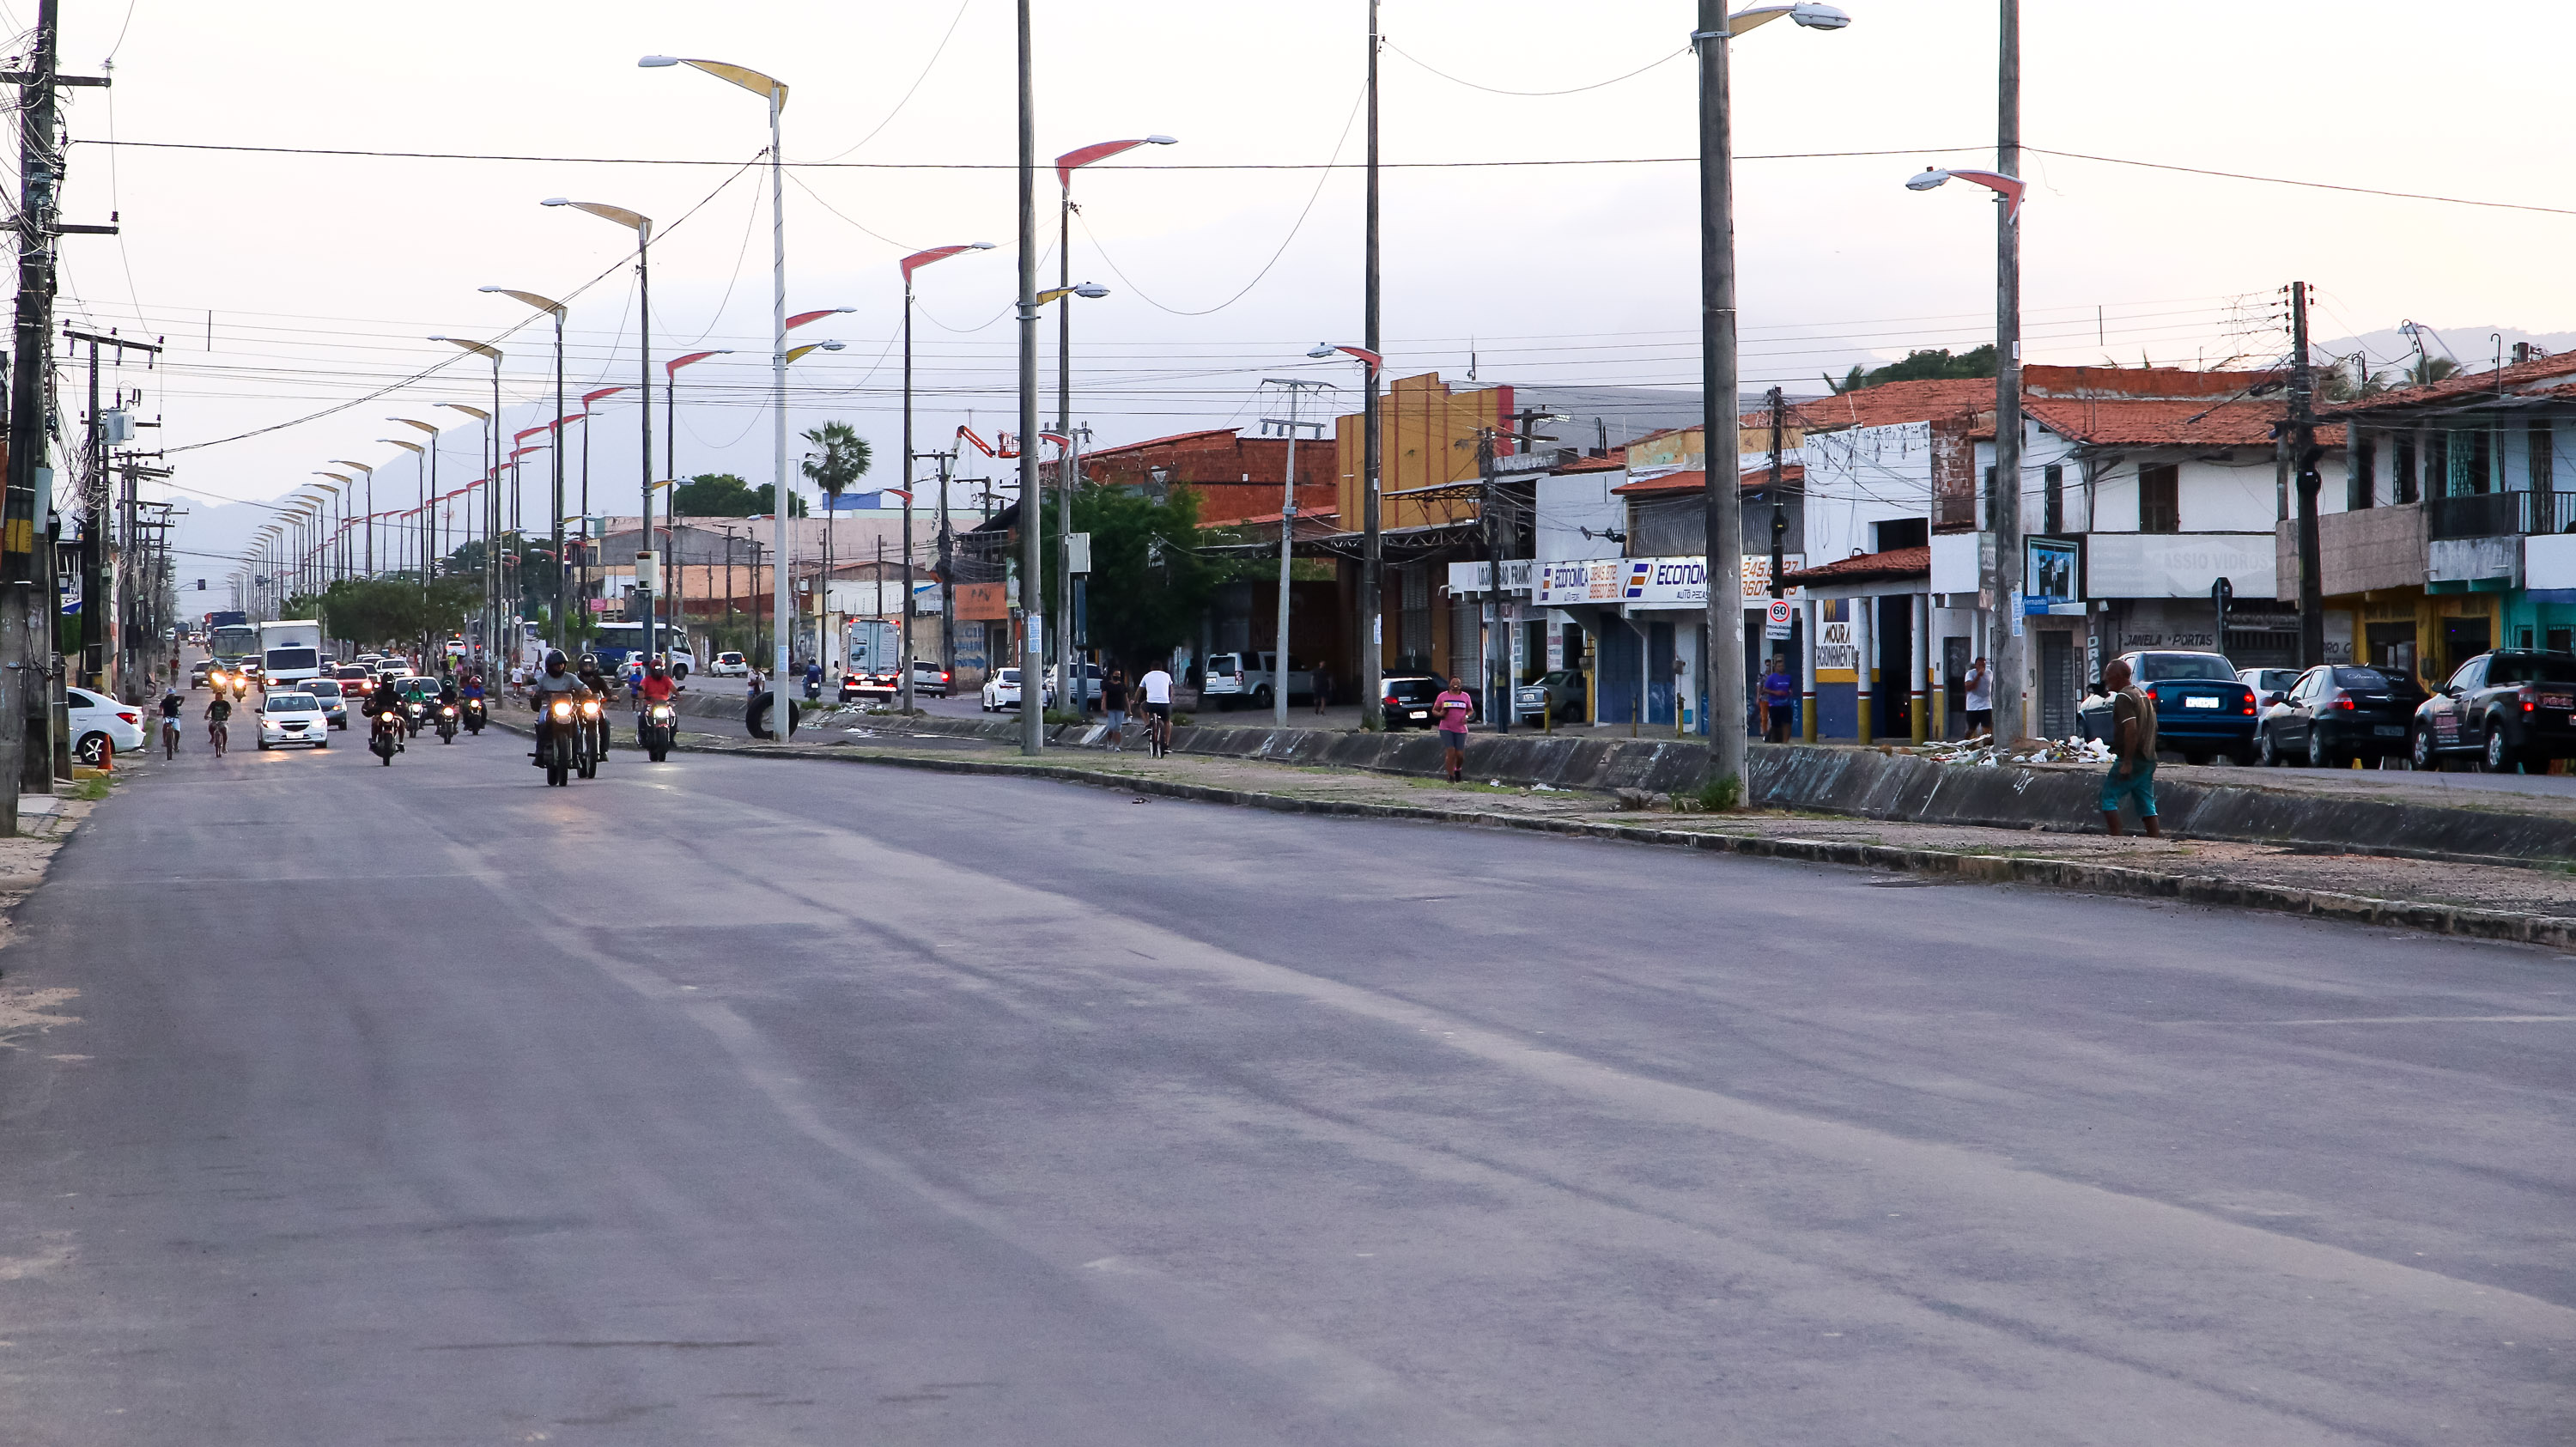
(473, 715)
(561, 749)
(594, 737)
(655, 730)
(384, 736)
(447, 723)
(415, 713)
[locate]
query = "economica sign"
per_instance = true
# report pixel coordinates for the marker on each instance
(1647, 582)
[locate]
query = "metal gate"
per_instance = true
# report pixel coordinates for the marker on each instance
(2056, 684)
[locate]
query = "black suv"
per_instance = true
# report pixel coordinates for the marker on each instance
(2512, 706)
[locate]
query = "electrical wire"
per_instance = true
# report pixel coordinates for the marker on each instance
(945, 36)
(1299, 225)
(1529, 94)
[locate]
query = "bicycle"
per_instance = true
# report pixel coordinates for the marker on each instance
(1158, 731)
(216, 734)
(169, 738)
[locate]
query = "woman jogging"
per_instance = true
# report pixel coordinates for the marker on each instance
(1454, 710)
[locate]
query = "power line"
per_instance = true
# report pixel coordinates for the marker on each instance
(1529, 94)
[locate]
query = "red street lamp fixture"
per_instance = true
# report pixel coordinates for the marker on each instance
(2008, 187)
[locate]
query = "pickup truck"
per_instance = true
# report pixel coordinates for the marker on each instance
(1236, 678)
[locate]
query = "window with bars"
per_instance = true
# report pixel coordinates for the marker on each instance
(2364, 489)
(2052, 498)
(2160, 499)
(2402, 476)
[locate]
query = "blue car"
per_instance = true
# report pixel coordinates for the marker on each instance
(2202, 711)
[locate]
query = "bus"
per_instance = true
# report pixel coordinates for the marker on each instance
(230, 643)
(614, 643)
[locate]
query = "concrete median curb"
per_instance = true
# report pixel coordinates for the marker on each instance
(2544, 930)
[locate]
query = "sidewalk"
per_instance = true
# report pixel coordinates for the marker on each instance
(2213, 870)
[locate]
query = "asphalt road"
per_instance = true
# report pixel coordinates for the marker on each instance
(745, 1101)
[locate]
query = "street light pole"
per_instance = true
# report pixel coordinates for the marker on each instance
(642, 226)
(1723, 657)
(1372, 541)
(554, 309)
(909, 265)
(1032, 599)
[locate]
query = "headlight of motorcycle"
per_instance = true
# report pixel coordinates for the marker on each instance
(563, 710)
(447, 713)
(590, 709)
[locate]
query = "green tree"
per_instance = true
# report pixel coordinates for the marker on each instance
(1926, 365)
(762, 506)
(717, 495)
(838, 459)
(1148, 583)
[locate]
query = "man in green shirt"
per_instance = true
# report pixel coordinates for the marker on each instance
(2133, 751)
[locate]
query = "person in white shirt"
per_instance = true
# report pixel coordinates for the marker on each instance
(1981, 698)
(1156, 687)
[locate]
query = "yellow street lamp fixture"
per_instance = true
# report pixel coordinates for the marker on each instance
(796, 352)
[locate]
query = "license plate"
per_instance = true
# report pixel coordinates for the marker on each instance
(1417, 713)
(2558, 700)
(2389, 731)
(2200, 703)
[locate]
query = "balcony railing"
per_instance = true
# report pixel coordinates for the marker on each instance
(2499, 514)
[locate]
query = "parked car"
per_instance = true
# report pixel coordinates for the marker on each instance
(2330, 715)
(728, 665)
(1558, 694)
(930, 678)
(1090, 676)
(2202, 711)
(97, 721)
(335, 703)
(2266, 682)
(1234, 678)
(2512, 706)
(1002, 690)
(293, 718)
(1405, 700)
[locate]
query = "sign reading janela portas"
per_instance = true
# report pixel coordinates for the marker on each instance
(1648, 581)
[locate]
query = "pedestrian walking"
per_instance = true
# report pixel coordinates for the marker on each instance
(1113, 702)
(1454, 710)
(1981, 698)
(2133, 752)
(1323, 690)
(1779, 701)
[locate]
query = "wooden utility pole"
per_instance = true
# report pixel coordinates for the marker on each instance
(2303, 474)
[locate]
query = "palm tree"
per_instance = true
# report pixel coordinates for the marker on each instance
(840, 457)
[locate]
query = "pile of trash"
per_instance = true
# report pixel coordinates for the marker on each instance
(1984, 752)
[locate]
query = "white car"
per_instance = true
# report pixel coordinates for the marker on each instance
(1002, 690)
(293, 718)
(99, 722)
(728, 665)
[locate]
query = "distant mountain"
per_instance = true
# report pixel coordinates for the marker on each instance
(2474, 348)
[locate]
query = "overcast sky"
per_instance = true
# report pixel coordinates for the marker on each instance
(323, 275)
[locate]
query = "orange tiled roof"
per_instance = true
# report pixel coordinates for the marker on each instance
(1696, 480)
(2174, 422)
(1868, 567)
(1891, 402)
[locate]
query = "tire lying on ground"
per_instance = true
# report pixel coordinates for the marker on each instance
(755, 715)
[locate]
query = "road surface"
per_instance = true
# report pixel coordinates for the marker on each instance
(753, 1101)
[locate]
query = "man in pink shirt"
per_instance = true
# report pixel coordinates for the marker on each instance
(1454, 709)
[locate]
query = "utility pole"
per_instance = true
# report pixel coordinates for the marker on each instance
(29, 674)
(947, 571)
(1287, 535)
(1779, 504)
(1372, 543)
(1489, 511)
(1728, 749)
(96, 500)
(1032, 593)
(2303, 467)
(2012, 700)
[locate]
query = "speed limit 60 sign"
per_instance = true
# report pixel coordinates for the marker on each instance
(1775, 624)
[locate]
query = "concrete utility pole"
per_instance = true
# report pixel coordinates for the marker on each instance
(1372, 543)
(1498, 652)
(2012, 663)
(1032, 591)
(1287, 539)
(947, 571)
(2303, 470)
(1727, 745)
(1779, 504)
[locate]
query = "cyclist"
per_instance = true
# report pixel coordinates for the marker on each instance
(1156, 689)
(219, 709)
(171, 704)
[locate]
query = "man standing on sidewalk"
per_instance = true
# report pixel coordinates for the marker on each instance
(1980, 709)
(2133, 751)
(1779, 701)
